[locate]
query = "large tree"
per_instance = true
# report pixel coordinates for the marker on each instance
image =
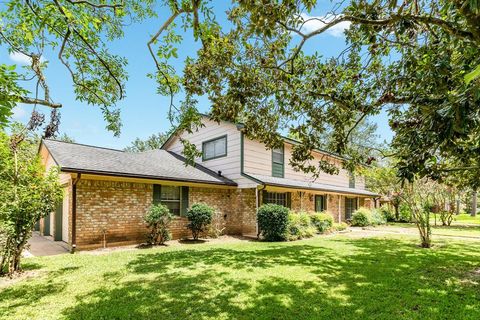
(416, 60)
(78, 33)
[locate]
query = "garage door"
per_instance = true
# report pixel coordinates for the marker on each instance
(66, 207)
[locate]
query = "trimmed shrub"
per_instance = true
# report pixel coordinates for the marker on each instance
(299, 226)
(273, 222)
(361, 217)
(388, 213)
(377, 217)
(199, 216)
(158, 219)
(405, 214)
(322, 221)
(340, 226)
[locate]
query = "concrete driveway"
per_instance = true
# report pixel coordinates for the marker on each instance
(45, 246)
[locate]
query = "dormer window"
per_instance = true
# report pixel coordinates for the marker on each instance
(278, 160)
(215, 148)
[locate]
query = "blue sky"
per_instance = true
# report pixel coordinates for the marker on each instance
(143, 111)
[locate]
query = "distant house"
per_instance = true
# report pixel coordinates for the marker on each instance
(108, 192)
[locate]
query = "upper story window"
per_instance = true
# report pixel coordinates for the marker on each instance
(278, 160)
(351, 180)
(214, 148)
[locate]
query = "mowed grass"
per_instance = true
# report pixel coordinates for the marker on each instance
(455, 230)
(333, 277)
(466, 218)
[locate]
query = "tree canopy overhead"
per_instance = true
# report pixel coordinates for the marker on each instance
(418, 61)
(414, 59)
(79, 33)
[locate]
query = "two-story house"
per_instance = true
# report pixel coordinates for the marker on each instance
(108, 192)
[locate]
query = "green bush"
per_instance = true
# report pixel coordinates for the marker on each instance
(158, 219)
(322, 221)
(377, 217)
(388, 213)
(340, 226)
(299, 226)
(199, 217)
(273, 222)
(405, 214)
(361, 217)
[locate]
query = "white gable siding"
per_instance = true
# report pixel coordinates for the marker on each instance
(258, 160)
(230, 164)
(49, 162)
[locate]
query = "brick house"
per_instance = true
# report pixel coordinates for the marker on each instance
(107, 192)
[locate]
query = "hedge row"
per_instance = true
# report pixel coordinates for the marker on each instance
(277, 223)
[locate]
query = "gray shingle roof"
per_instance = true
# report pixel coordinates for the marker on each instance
(154, 164)
(289, 183)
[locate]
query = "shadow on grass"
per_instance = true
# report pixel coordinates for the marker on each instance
(30, 292)
(370, 278)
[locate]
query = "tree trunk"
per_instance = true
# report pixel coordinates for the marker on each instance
(397, 212)
(474, 204)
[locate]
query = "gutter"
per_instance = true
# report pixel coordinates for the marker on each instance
(131, 175)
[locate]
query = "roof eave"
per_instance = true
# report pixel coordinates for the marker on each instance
(318, 189)
(148, 177)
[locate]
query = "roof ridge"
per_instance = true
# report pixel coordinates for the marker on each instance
(84, 145)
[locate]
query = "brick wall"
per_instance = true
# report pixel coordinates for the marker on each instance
(113, 212)
(303, 201)
(246, 208)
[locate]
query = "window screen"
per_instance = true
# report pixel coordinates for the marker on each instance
(215, 148)
(278, 162)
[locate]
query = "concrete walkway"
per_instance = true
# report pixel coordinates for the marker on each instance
(45, 246)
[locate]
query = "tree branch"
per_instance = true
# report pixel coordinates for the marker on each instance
(92, 50)
(96, 5)
(28, 100)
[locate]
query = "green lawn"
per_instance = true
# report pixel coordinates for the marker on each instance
(457, 230)
(336, 277)
(461, 219)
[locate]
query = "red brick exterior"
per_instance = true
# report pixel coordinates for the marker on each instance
(111, 213)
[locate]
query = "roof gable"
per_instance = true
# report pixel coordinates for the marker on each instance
(154, 164)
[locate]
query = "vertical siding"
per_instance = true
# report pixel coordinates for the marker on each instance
(258, 160)
(229, 165)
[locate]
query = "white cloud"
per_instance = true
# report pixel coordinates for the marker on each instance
(19, 58)
(316, 22)
(18, 113)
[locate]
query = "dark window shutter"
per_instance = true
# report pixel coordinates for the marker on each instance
(289, 200)
(184, 205)
(157, 193)
(325, 198)
(264, 196)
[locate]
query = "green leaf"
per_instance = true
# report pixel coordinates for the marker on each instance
(472, 75)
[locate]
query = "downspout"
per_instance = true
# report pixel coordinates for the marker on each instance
(74, 212)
